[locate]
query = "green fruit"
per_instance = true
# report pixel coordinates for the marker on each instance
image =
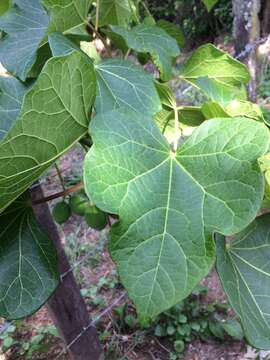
(95, 218)
(79, 203)
(61, 212)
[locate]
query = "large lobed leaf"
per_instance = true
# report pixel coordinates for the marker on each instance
(244, 270)
(169, 204)
(122, 83)
(54, 116)
(221, 74)
(28, 262)
(154, 40)
(25, 25)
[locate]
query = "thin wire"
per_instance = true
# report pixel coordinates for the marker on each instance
(90, 254)
(92, 323)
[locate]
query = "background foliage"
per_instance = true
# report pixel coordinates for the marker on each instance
(197, 23)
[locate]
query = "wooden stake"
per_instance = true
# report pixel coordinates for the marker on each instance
(67, 307)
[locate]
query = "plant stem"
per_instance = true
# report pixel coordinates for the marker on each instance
(176, 129)
(97, 17)
(60, 176)
(59, 194)
(146, 8)
(127, 54)
(108, 50)
(134, 12)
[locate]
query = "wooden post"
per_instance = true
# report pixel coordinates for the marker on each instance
(67, 307)
(247, 32)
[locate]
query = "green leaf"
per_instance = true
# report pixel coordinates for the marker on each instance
(211, 109)
(68, 16)
(25, 26)
(243, 267)
(173, 30)
(11, 95)
(245, 108)
(54, 116)
(60, 45)
(191, 115)
(121, 83)
(154, 40)
(28, 262)
(169, 204)
(4, 6)
(115, 12)
(233, 328)
(166, 95)
(221, 93)
(216, 329)
(235, 108)
(209, 4)
(220, 72)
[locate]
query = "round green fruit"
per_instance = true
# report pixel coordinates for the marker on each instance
(61, 212)
(79, 203)
(95, 218)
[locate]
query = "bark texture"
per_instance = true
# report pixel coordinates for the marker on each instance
(246, 32)
(67, 307)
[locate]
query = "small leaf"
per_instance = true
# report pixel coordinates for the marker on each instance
(54, 116)
(179, 346)
(169, 204)
(209, 4)
(160, 331)
(28, 262)
(11, 96)
(216, 71)
(154, 40)
(243, 267)
(173, 30)
(182, 318)
(25, 25)
(233, 328)
(121, 83)
(170, 330)
(195, 326)
(216, 329)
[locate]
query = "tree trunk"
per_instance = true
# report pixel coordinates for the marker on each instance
(246, 32)
(265, 18)
(67, 307)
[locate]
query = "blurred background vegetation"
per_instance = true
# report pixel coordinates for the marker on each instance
(198, 24)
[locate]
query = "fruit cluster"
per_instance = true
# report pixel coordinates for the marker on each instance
(79, 204)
